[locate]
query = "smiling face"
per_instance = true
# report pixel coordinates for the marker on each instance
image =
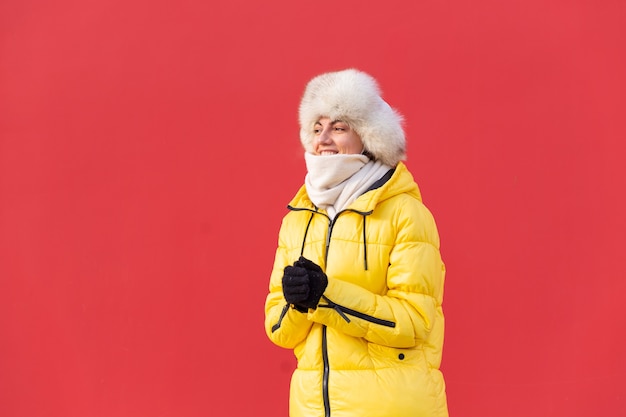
(335, 137)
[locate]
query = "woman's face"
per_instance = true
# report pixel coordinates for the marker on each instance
(335, 137)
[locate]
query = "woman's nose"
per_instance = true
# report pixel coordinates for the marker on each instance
(324, 136)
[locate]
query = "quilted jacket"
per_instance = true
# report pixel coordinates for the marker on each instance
(373, 345)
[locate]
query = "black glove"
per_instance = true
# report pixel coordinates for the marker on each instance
(295, 284)
(318, 281)
(303, 284)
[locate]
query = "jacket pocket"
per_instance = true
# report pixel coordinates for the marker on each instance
(389, 357)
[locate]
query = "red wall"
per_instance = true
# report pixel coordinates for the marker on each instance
(148, 150)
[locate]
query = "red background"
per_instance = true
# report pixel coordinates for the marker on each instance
(148, 150)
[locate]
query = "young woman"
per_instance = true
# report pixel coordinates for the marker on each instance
(356, 289)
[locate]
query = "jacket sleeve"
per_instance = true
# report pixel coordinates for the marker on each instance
(285, 326)
(404, 316)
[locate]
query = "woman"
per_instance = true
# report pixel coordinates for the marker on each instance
(357, 283)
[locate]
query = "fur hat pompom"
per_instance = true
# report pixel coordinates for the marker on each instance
(353, 97)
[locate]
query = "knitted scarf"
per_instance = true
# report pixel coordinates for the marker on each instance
(334, 181)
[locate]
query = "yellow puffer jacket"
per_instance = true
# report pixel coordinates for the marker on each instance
(373, 346)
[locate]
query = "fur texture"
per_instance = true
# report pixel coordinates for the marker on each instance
(354, 97)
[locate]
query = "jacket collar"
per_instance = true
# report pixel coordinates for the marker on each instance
(400, 182)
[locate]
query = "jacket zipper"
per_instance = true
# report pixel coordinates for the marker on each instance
(325, 376)
(342, 311)
(280, 319)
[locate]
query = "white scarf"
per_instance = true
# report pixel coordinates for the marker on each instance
(335, 181)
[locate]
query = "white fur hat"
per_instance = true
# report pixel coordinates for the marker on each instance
(354, 97)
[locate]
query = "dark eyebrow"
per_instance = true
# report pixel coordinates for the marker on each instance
(334, 122)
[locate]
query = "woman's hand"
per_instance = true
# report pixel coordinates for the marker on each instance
(303, 284)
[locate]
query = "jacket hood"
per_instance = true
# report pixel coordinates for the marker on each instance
(355, 98)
